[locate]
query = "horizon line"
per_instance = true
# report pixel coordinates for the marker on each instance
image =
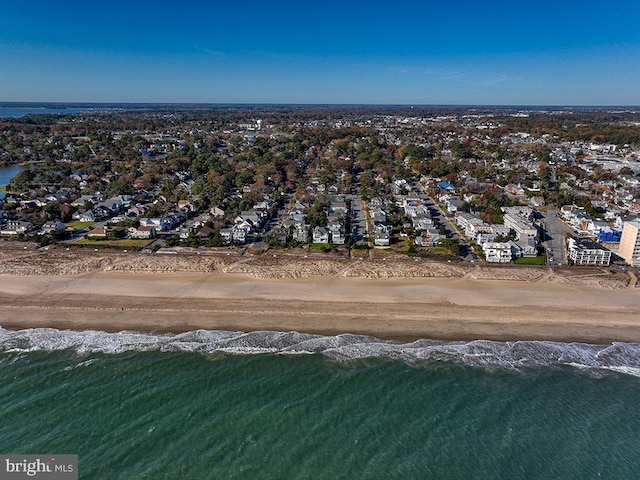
(320, 104)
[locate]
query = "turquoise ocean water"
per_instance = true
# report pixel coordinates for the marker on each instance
(211, 405)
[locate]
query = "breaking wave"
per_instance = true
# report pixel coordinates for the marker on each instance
(617, 357)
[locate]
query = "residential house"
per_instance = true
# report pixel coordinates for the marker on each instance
(454, 204)
(136, 211)
(573, 215)
(87, 216)
(516, 190)
(114, 204)
(207, 232)
(142, 232)
(218, 212)
(100, 232)
(446, 187)
(382, 235)
(378, 215)
(86, 200)
(13, 227)
(280, 235)
(185, 204)
(338, 205)
(429, 238)
(537, 201)
(497, 252)
(54, 226)
(184, 232)
(301, 232)
(239, 234)
(337, 234)
(160, 224)
(594, 226)
(320, 235)
(422, 222)
(249, 217)
(414, 209)
(523, 248)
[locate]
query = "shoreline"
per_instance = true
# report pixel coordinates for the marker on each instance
(452, 308)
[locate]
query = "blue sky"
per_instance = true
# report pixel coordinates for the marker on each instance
(398, 52)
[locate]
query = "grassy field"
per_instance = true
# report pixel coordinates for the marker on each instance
(539, 260)
(125, 243)
(78, 225)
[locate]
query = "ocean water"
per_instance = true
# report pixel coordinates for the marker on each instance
(217, 405)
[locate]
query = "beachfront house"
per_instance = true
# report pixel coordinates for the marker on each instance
(14, 227)
(497, 252)
(382, 236)
(301, 232)
(320, 235)
(338, 236)
(142, 232)
(429, 238)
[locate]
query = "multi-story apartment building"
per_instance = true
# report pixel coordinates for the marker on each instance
(630, 243)
(584, 251)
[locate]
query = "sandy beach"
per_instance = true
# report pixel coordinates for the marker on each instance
(390, 298)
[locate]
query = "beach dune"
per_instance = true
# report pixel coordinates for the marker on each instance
(462, 305)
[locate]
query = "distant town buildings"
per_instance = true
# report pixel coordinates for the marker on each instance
(470, 183)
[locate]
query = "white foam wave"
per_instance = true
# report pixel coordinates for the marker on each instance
(618, 357)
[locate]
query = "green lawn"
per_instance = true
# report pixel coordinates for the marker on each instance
(539, 260)
(78, 225)
(127, 242)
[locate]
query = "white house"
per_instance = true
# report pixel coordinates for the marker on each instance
(157, 223)
(301, 232)
(239, 234)
(584, 251)
(497, 252)
(87, 216)
(142, 232)
(16, 228)
(382, 236)
(320, 235)
(337, 234)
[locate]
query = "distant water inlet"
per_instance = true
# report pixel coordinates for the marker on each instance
(14, 112)
(6, 174)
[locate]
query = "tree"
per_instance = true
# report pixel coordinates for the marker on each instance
(244, 177)
(451, 245)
